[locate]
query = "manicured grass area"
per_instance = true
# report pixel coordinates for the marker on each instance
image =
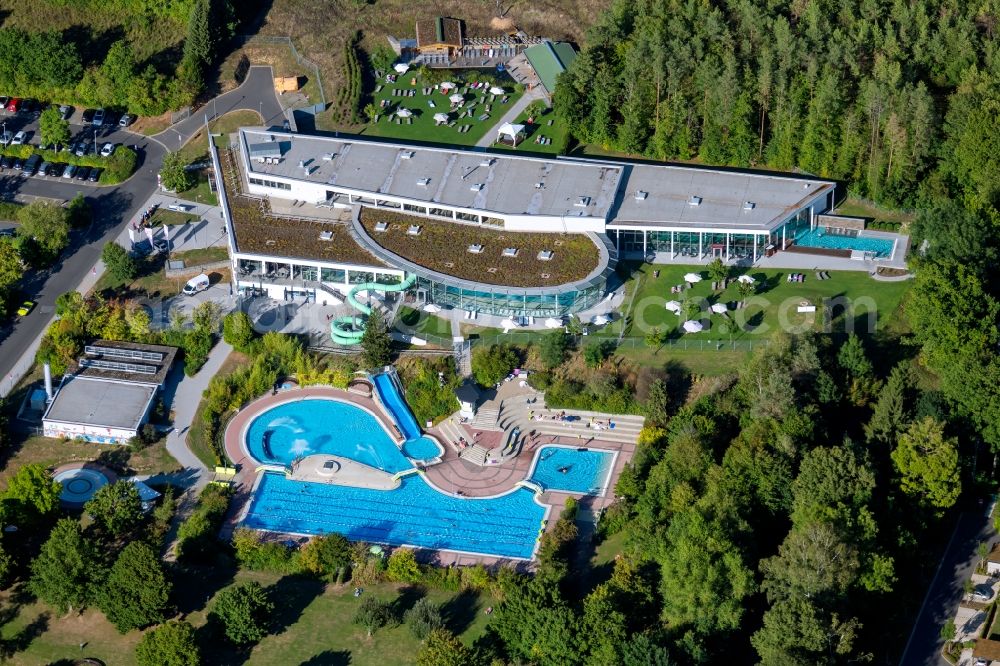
(153, 280)
(423, 127)
(51, 452)
(201, 192)
(773, 308)
(197, 439)
(558, 132)
(423, 322)
(170, 217)
(444, 247)
(312, 624)
(201, 255)
(196, 148)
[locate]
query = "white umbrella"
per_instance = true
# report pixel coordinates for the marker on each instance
(692, 277)
(508, 324)
(403, 113)
(674, 306)
(719, 308)
(496, 90)
(401, 68)
(692, 326)
(552, 322)
(746, 278)
(430, 307)
(447, 85)
(600, 320)
(441, 117)
(457, 99)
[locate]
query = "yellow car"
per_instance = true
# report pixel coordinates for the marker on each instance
(25, 308)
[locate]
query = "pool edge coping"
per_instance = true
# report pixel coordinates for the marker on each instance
(607, 474)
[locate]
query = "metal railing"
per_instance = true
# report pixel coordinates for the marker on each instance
(299, 58)
(630, 343)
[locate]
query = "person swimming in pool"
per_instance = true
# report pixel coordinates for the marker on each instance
(564, 470)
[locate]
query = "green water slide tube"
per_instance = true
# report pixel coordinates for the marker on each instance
(348, 330)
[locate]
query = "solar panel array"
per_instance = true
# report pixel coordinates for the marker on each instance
(118, 366)
(134, 354)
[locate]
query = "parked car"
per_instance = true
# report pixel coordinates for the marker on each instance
(18, 164)
(25, 308)
(196, 284)
(65, 111)
(3, 102)
(107, 150)
(126, 120)
(82, 148)
(31, 165)
(56, 170)
(6, 138)
(6, 161)
(14, 105)
(99, 117)
(9, 233)
(29, 106)
(88, 116)
(20, 138)
(69, 171)
(82, 173)
(94, 175)
(144, 249)
(43, 170)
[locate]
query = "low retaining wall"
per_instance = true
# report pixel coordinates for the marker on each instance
(196, 270)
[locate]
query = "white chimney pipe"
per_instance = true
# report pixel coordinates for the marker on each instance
(48, 381)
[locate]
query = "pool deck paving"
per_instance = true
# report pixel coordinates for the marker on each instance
(452, 475)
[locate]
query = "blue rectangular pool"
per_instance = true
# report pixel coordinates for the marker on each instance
(414, 514)
(819, 237)
(572, 470)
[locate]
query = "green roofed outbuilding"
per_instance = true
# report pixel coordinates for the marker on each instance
(549, 60)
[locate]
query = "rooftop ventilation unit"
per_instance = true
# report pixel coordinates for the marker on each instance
(582, 202)
(381, 226)
(478, 187)
(326, 236)
(749, 205)
(424, 182)
(328, 157)
(486, 163)
(805, 186)
(640, 195)
(414, 230)
(510, 252)
(539, 185)
(302, 164)
(406, 155)
(475, 248)
(545, 255)
(694, 200)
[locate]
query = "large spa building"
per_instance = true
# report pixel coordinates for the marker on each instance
(491, 232)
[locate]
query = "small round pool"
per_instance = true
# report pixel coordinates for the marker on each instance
(80, 484)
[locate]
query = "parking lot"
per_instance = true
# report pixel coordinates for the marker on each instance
(81, 133)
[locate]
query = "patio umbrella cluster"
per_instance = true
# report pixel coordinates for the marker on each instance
(692, 277)
(456, 99)
(403, 113)
(693, 326)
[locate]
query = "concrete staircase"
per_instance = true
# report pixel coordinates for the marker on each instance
(626, 428)
(451, 433)
(486, 418)
(475, 455)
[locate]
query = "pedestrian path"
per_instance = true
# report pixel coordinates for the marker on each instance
(512, 113)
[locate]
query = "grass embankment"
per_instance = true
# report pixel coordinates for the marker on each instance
(313, 624)
(195, 151)
(152, 280)
(422, 322)
(875, 215)
(197, 439)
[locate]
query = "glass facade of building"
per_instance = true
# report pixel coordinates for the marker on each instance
(504, 301)
(694, 244)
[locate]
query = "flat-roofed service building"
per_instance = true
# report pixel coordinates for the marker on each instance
(111, 394)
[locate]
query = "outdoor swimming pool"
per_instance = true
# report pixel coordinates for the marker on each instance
(572, 470)
(316, 426)
(819, 238)
(414, 514)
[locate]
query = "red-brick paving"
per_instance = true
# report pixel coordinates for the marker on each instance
(451, 475)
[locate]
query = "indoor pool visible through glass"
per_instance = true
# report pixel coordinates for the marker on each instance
(414, 514)
(572, 470)
(818, 237)
(317, 426)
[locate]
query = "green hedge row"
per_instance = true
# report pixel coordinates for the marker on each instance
(349, 95)
(884, 225)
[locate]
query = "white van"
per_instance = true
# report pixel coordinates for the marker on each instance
(196, 284)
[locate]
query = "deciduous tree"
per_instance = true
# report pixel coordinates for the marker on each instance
(170, 644)
(136, 592)
(244, 611)
(116, 508)
(927, 463)
(65, 571)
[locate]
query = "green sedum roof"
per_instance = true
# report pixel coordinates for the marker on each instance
(550, 59)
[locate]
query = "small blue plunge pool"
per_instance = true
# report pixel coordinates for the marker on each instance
(819, 237)
(566, 469)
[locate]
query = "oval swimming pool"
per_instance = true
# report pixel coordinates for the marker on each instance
(319, 426)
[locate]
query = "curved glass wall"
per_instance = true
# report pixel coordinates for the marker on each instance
(503, 302)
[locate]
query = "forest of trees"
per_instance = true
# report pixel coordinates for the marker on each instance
(898, 98)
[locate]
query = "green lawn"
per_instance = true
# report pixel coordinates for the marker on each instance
(201, 192)
(773, 308)
(170, 217)
(197, 439)
(859, 208)
(422, 322)
(423, 127)
(152, 279)
(557, 131)
(312, 624)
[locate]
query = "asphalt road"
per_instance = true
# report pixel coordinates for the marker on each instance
(957, 564)
(113, 206)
